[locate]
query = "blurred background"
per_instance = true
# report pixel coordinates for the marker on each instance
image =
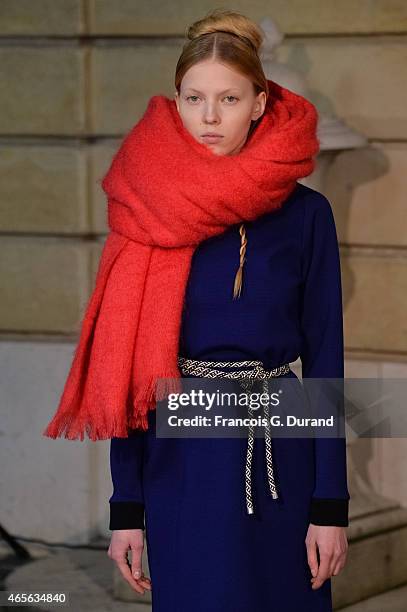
(75, 76)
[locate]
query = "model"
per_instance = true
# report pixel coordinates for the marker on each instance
(217, 258)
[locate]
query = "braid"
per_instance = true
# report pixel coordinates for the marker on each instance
(238, 278)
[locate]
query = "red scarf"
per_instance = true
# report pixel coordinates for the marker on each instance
(166, 193)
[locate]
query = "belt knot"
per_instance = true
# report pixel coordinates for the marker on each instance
(246, 378)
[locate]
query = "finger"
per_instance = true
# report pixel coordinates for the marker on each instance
(125, 571)
(339, 565)
(339, 559)
(137, 566)
(323, 570)
(145, 582)
(312, 557)
(137, 560)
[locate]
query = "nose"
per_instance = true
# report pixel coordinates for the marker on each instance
(210, 114)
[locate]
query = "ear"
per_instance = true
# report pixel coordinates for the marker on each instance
(259, 106)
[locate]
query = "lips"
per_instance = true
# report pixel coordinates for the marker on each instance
(210, 138)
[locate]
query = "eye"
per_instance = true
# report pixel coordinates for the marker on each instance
(194, 98)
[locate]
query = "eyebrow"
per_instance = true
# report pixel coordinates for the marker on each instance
(221, 92)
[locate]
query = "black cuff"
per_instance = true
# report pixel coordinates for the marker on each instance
(329, 511)
(126, 515)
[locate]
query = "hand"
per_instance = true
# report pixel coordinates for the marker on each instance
(332, 546)
(121, 541)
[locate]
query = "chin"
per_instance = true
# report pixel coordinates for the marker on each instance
(218, 150)
(215, 148)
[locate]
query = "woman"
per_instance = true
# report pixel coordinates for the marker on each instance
(246, 271)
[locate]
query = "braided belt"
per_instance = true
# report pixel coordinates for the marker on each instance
(246, 379)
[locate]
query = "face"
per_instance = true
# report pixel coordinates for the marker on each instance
(216, 99)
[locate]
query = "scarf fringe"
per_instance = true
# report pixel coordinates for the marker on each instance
(157, 389)
(73, 427)
(76, 429)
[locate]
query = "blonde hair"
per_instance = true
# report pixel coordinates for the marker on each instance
(233, 39)
(229, 36)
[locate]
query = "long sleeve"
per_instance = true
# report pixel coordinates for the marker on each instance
(127, 500)
(322, 351)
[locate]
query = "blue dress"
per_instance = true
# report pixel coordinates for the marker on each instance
(205, 552)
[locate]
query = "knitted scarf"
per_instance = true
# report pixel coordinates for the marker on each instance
(166, 193)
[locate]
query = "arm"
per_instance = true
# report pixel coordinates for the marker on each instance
(127, 501)
(322, 351)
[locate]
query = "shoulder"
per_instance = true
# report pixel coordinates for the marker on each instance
(317, 212)
(315, 201)
(303, 208)
(306, 204)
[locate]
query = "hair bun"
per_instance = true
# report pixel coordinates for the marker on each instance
(229, 22)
